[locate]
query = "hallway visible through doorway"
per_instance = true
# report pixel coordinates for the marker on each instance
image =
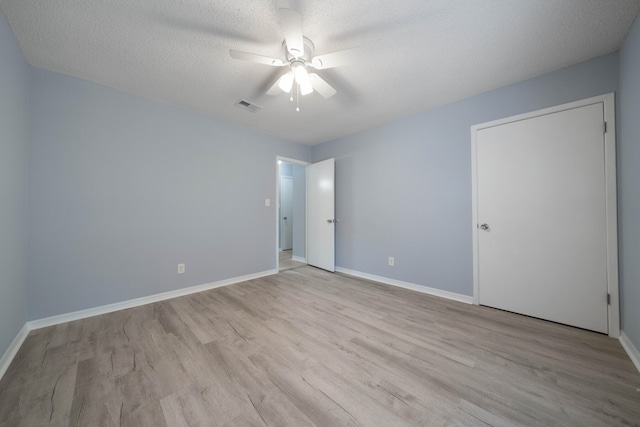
(286, 263)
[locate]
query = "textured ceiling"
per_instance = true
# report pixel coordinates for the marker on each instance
(414, 54)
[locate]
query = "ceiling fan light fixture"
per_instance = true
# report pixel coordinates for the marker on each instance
(302, 78)
(301, 73)
(286, 82)
(306, 88)
(298, 52)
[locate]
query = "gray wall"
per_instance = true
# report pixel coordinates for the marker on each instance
(404, 189)
(629, 183)
(299, 210)
(285, 169)
(14, 98)
(123, 188)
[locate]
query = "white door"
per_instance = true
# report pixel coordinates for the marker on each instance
(321, 214)
(286, 213)
(542, 236)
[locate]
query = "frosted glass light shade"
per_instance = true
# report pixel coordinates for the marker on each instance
(302, 78)
(286, 82)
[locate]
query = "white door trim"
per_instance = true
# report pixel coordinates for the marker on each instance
(277, 209)
(610, 187)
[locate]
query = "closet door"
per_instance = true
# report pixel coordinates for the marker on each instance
(541, 210)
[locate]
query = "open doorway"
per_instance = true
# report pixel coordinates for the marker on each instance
(291, 214)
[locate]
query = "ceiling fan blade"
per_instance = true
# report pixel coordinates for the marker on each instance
(291, 24)
(321, 86)
(284, 83)
(334, 59)
(253, 57)
(275, 89)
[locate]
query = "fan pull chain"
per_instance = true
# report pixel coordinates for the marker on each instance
(297, 97)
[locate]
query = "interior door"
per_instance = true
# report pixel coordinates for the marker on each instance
(321, 214)
(286, 213)
(542, 248)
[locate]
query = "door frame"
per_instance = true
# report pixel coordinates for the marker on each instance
(608, 101)
(277, 215)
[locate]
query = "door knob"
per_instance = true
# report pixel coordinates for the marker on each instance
(331, 221)
(284, 217)
(484, 226)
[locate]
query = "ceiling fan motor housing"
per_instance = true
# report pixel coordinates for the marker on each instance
(306, 56)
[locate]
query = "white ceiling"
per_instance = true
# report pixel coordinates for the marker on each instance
(414, 54)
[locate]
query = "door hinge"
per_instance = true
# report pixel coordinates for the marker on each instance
(608, 299)
(604, 127)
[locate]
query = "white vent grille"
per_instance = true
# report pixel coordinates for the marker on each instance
(246, 105)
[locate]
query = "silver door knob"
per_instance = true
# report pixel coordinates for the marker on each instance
(484, 226)
(284, 217)
(330, 221)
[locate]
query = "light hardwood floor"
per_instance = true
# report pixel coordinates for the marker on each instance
(286, 262)
(306, 347)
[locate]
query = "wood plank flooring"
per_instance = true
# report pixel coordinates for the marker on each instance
(310, 348)
(286, 261)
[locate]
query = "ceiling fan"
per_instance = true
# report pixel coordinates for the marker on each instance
(298, 52)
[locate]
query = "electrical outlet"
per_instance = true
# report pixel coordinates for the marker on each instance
(392, 261)
(267, 202)
(181, 269)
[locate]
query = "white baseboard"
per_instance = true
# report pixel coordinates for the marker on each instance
(419, 288)
(631, 349)
(82, 314)
(299, 259)
(11, 352)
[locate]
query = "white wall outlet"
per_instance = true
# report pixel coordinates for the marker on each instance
(392, 261)
(267, 202)
(181, 269)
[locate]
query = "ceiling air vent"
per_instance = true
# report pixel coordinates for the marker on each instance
(246, 105)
